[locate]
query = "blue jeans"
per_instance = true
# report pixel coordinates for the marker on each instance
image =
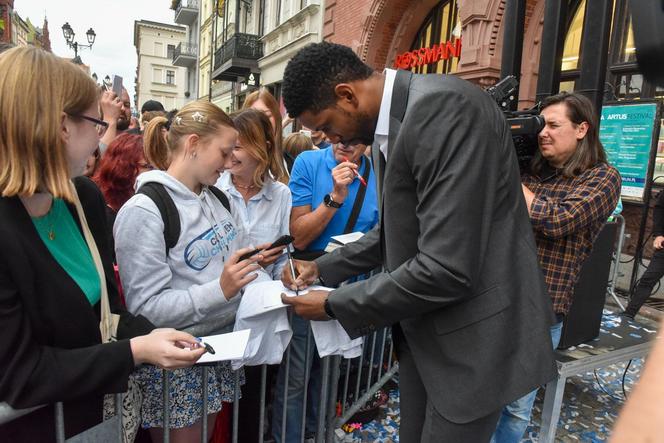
(296, 373)
(516, 416)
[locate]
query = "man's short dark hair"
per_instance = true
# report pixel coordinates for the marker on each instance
(152, 105)
(311, 76)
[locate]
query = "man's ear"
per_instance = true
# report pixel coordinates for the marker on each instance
(582, 130)
(346, 95)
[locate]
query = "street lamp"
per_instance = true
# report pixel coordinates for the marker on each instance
(69, 35)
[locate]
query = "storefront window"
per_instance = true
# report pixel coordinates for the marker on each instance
(441, 25)
(628, 49)
(628, 86)
(572, 46)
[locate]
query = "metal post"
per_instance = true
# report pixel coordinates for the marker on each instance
(553, 41)
(325, 379)
(616, 264)
(371, 359)
(513, 20)
(308, 357)
(118, 413)
(59, 423)
(236, 406)
(359, 373)
(382, 354)
(595, 51)
(261, 418)
(284, 412)
(204, 406)
(335, 361)
(346, 381)
(167, 411)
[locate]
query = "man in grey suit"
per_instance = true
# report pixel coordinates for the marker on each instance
(461, 284)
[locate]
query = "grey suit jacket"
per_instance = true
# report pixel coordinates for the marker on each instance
(461, 274)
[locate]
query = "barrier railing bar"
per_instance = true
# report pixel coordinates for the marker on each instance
(308, 357)
(236, 405)
(325, 379)
(346, 381)
(335, 369)
(167, 409)
(204, 406)
(366, 396)
(261, 418)
(59, 423)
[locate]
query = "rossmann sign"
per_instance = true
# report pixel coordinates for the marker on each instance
(425, 56)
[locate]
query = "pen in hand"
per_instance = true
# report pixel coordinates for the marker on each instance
(292, 268)
(359, 177)
(207, 347)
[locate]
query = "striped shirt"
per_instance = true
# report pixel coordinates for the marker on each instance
(567, 215)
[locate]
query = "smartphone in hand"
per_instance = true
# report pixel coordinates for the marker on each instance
(281, 241)
(117, 86)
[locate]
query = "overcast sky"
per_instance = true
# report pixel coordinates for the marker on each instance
(113, 21)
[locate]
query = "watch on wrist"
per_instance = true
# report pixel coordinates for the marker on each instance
(328, 309)
(331, 203)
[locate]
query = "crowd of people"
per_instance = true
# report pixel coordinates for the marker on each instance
(116, 236)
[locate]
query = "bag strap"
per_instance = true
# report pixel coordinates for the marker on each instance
(108, 325)
(221, 197)
(169, 212)
(359, 198)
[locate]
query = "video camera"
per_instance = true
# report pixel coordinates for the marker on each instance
(525, 125)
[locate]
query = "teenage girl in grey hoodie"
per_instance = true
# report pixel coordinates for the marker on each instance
(199, 277)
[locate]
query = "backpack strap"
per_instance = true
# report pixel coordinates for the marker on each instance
(221, 197)
(169, 212)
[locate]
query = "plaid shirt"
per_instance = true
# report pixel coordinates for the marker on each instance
(567, 214)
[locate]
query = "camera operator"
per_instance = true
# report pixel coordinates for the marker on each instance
(570, 192)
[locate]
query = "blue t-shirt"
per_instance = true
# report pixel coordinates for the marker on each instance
(311, 180)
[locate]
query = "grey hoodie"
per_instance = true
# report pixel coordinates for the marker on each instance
(182, 289)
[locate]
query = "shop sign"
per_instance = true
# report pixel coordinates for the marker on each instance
(253, 79)
(425, 56)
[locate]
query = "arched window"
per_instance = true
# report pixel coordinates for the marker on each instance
(440, 26)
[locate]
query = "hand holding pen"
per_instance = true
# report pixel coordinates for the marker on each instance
(357, 174)
(306, 273)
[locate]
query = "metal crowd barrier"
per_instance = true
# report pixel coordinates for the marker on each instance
(616, 260)
(373, 368)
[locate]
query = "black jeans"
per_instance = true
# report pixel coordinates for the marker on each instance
(648, 281)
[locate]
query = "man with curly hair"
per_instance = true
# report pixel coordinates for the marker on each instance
(461, 285)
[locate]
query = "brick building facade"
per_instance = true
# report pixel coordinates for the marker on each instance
(379, 30)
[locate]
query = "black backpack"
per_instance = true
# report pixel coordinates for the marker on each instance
(169, 212)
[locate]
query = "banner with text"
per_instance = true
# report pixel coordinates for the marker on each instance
(626, 131)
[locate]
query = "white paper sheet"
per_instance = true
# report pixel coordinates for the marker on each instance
(229, 346)
(347, 238)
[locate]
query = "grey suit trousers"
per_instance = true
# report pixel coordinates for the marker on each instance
(420, 422)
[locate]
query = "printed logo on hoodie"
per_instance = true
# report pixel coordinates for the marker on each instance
(200, 251)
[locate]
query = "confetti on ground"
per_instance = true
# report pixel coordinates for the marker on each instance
(590, 407)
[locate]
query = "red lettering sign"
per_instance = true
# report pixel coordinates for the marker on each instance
(425, 56)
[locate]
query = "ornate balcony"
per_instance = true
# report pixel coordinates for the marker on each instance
(237, 57)
(185, 55)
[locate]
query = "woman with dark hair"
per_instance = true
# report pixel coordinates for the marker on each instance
(122, 163)
(570, 193)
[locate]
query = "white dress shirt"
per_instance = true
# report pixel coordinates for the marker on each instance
(262, 219)
(383, 124)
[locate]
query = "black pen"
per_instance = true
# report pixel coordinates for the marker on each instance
(207, 347)
(292, 268)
